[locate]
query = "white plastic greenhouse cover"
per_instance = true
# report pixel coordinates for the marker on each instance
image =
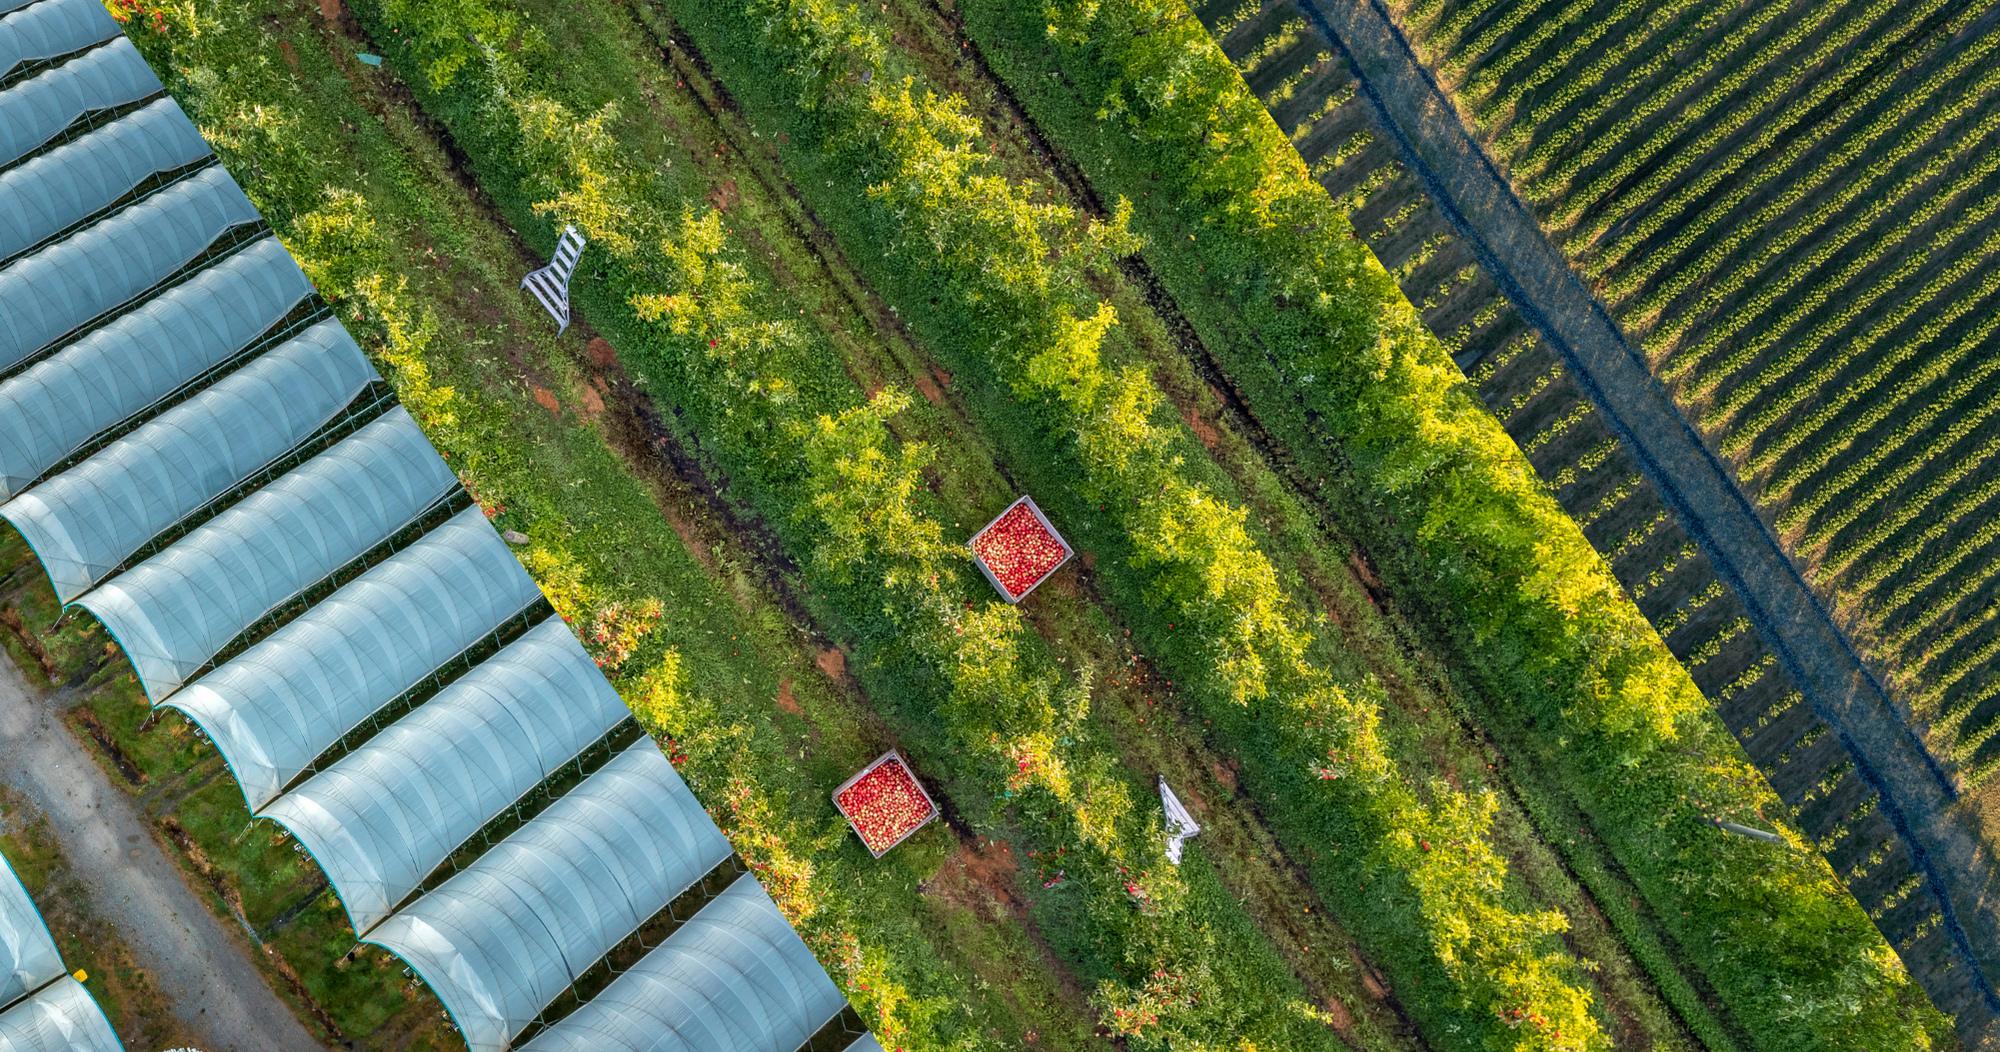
(55, 290)
(61, 1017)
(735, 978)
(51, 29)
(864, 1043)
(184, 414)
(172, 612)
(84, 522)
(275, 707)
(499, 940)
(27, 950)
(49, 194)
(56, 405)
(385, 815)
(37, 109)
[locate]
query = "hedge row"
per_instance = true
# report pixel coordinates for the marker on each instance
(767, 399)
(1020, 271)
(1337, 363)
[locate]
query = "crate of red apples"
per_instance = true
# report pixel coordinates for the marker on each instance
(884, 803)
(1019, 549)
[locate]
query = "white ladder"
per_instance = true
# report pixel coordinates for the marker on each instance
(551, 283)
(1180, 824)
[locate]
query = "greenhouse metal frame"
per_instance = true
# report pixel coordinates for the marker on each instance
(42, 1006)
(206, 462)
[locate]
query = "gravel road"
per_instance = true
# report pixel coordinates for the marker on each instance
(1469, 189)
(204, 967)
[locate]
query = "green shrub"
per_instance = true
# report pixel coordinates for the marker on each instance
(1327, 348)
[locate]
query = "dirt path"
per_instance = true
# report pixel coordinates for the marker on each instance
(215, 990)
(1917, 794)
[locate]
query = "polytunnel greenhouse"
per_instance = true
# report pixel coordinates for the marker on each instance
(203, 459)
(42, 1005)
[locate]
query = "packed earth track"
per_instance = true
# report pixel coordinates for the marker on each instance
(635, 472)
(217, 992)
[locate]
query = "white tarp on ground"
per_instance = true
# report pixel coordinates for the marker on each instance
(275, 707)
(80, 277)
(59, 403)
(734, 978)
(174, 611)
(40, 107)
(28, 957)
(51, 29)
(86, 521)
(62, 1017)
(499, 940)
(63, 187)
(381, 818)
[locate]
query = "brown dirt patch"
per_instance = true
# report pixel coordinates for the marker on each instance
(1370, 978)
(12, 619)
(929, 388)
(990, 868)
(724, 196)
(291, 57)
(690, 534)
(547, 400)
(1192, 797)
(1223, 775)
(1203, 430)
(832, 661)
(602, 354)
(332, 10)
(785, 699)
(590, 402)
(1343, 1020)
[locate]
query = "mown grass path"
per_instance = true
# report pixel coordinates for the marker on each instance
(1917, 794)
(215, 989)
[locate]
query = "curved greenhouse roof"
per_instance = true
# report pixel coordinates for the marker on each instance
(61, 1017)
(39, 108)
(175, 407)
(52, 29)
(278, 705)
(120, 370)
(42, 1009)
(499, 940)
(734, 978)
(86, 521)
(55, 191)
(174, 611)
(28, 957)
(385, 815)
(67, 284)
